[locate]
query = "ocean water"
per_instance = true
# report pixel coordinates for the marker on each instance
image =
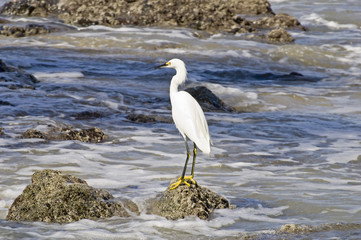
(291, 154)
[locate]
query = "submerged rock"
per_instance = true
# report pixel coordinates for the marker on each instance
(24, 31)
(281, 20)
(145, 118)
(15, 78)
(55, 197)
(92, 135)
(279, 35)
(188, 201)
(1, 131)
(208, 100)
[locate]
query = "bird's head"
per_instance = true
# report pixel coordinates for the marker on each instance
(174, 63)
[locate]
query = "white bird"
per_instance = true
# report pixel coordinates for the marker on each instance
(188, 117)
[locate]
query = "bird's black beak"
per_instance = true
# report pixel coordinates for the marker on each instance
(160, 66)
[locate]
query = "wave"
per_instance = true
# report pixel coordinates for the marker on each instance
(315, 19)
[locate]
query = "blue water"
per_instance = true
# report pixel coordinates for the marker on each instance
(289, 154)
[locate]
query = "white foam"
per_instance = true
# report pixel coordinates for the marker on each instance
(45, 75)
(314, 18)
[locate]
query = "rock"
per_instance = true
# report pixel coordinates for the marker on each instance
(55, 197)
(211, 16)
(92, 135)
(281, 20)
(144, 118)
(85, 115)
(32, 133)
(2, 21)
(188, 201)
(295, 228)
(5, 103)
(1, 131)
(279, 35)
(42, 8)
(208, 100)
(15, 78)
(24, 31)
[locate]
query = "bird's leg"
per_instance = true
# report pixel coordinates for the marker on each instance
(194, 162)
(183, 178)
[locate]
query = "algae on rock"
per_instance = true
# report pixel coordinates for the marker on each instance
(188, 201)
(55, 197)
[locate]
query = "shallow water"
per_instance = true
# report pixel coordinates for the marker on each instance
(291, 154)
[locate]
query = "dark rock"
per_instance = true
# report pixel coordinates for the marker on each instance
(32, 133)
(24, 31)
(88, 115)
(92, 135)
(279, 35)
(5, 103)
(208, 100)
(1, 131)
(143, 118)
(15, 78)
(55, 197)
(281, 20)
(188, 201)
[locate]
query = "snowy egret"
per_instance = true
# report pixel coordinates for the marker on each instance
(188, 117)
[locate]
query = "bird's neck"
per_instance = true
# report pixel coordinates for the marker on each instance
(177, 79)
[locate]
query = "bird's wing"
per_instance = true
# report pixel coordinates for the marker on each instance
(189, 118)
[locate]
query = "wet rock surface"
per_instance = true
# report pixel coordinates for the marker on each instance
(208, 100)
(56, 197)
(27, 30)
(281, 20)
(15, 78)
(92, 135)
(148, 118)
(279, 35)
(188, 201)
(210, 16)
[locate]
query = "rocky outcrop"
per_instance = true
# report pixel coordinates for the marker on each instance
(279, 35)
(15, 78)
(27, 30)
(188, 201)
(148, 118)
(281, 20)
(92, 135)
(56, 197)
(209, 16)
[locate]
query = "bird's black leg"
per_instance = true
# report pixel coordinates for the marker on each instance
(188, 155)
(184, 179)
(194, 159)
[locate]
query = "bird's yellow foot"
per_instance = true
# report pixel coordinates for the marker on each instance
(182, 180)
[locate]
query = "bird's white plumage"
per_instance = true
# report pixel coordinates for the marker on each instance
(190, 120)
(187, 115)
